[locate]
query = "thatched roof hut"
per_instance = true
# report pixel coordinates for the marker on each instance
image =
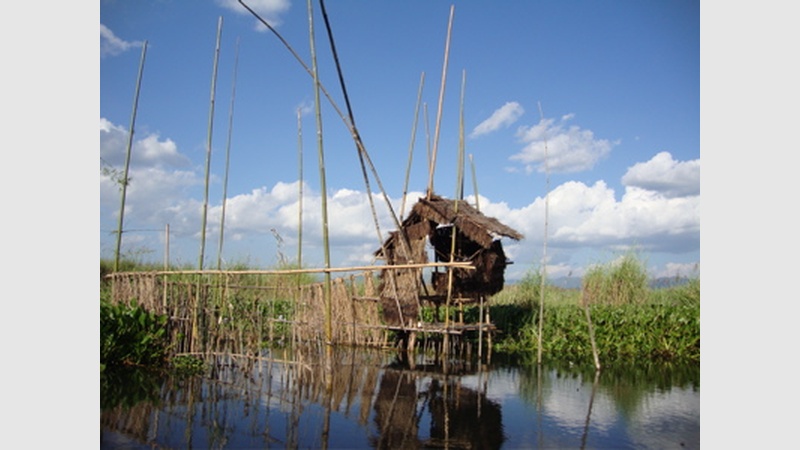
(432, 220)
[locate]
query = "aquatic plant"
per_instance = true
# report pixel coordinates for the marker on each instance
(130, 335)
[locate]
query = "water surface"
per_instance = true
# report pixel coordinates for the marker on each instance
(379, 399)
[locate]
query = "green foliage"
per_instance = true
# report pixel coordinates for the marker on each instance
(652, 332)
(129, 335)
(187, 365)
(631, 321)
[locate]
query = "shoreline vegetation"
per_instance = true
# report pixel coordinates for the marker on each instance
(630, 320)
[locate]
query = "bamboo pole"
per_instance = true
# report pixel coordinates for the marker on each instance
(591, 334)
(411, 144)
(460, 170)
(459, 264)
(166, 265)
(544, 249)
(363, 155)
(300, 188)
(323, 188)
(208, 145)
(227, 159)
(459, 193)
(128, 157)
(480, 330)
(474, 183)
(427, 135)
(441, 101)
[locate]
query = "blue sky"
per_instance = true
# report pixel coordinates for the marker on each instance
(611, 89)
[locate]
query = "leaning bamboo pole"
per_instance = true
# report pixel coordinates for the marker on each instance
(363, 155)
(411, 144)
(474, 183)
(128, 156)
(227, 159)
(591, 332)
(208, 144)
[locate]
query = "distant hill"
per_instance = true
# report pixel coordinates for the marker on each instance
(575, 283)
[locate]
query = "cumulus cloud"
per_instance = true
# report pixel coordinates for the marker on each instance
(111, 45)
(150, 151)
(581, 217)
(269, 10)
(568, 148)
(502, 117)
(665, 175)
(589, 218)
(159, 176)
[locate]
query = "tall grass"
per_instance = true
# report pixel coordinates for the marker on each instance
(623, 282)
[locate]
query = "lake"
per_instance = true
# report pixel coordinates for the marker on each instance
(358, 398)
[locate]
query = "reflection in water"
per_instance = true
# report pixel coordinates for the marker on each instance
(371, 399)
(409, 402)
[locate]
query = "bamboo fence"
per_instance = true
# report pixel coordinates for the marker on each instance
(241, 312)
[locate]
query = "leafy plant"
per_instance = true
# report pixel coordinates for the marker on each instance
(130, 335)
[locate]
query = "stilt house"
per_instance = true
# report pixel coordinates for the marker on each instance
(432, 221)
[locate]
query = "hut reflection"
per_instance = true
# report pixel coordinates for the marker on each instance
(425, 407)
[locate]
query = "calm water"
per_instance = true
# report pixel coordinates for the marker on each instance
(378, 400)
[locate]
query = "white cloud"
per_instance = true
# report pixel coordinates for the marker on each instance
(568, 148)
(111, 45)
(665, 175)
(502, 117)
(149, 151)
(159, 177)
(269, 10)
(580, 216)
(588, 218)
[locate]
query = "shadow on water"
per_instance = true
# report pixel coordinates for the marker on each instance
(357, 398)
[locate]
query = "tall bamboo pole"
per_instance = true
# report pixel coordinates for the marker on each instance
(300, 190)
(458, 194)
(227, 159)
(128, 157)
(441, 101)
(544, 250)
(323, 189)
(427, 134)
(411, 144)
(208, 145)
(460, 170)
(474, 183)
(166, 265)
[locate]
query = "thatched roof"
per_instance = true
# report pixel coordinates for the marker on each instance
(477, 227)
(437, 210)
